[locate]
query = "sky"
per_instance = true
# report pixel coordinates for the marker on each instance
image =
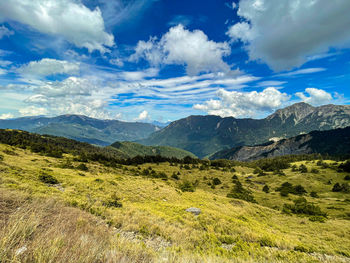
(162, 60)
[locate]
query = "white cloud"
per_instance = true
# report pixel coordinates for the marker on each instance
(315, 96)
(285, 33)
(244, 104)
(180, 46)
(5, 32)
(71, 86)
(116, 62)
(270, 83)
(32, 111)
(84, 96)
(143, 116)
(301, 72)
(69, 19)
(49, 67)
(139, 75)
(3, 71)
(6, 116)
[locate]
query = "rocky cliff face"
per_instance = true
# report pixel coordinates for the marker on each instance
(332, 142)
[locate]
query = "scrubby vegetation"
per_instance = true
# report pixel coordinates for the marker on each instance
(84, 209)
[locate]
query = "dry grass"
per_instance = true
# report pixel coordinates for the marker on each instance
(42, 230)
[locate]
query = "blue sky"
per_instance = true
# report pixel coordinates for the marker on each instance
(144, 60)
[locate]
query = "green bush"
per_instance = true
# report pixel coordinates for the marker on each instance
(303, 168)
(47, 179)
(287, 188)
(239, 192)
(266, 188)
(113, 201)
(315, 171)
(301, 249)
(216, 181)
(175, 176)
(345, 188)
(187, 186)
(314, 194)
(345, 166)
(302, 206)
(82, 167)
(320, 219)
(347, 177)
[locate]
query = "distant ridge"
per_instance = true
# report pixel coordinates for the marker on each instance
(205, 135)
(332, 142)
(132, 149)
(83, 128)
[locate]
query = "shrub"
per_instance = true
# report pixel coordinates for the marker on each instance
(82, 167)
(187, 186)
(345, 188)
(287, 188)
(266, 188)
(345, 166)
(239, 192)
(47, 179)
(347, 178)
(299, 190)
(301, 249)
(266, 242)
(1, 158)
(216, 181)
(320, 219)
(302, 206)
(315, 171)
(113, 201)
(303, 168)
(175, 176)
(314, 194)
(234, 177)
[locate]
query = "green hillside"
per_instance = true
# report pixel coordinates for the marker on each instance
(68, 209)
(132, 149)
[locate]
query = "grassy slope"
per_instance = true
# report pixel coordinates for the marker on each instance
(153, 214)
(132, 149)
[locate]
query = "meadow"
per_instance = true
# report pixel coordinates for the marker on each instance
(60, 209)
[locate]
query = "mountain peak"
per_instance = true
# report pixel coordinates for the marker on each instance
(297, 110)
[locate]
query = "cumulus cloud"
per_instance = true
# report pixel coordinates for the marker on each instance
(48, 67)
(69, 19)
(285, 33)
(180, 46)
(143, 116)
(244, 104)
(5, 32)
(71, 86)
(72, 95)
(32, 111)
(5, 116)
(315, 96)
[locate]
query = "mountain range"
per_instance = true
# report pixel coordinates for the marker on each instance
(201, 135)
(333, 142)
(82, 128)
(205, 135)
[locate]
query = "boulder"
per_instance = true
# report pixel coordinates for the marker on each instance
(194, 210)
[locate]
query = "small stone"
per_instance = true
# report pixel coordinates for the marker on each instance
(194, 210)
(21, 250)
